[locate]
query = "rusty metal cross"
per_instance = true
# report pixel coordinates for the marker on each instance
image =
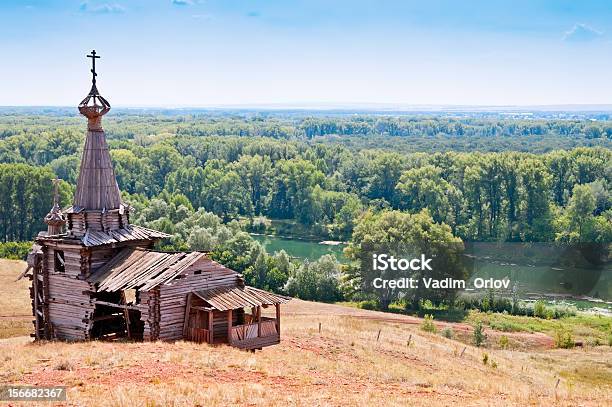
(93, 57)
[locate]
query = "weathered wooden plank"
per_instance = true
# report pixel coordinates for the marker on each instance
(187, 311)
(110, 304)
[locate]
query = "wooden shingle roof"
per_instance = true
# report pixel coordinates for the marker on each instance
(147, 269)
(124, 234)
(93, 238)
(232, 297)
(97, 187)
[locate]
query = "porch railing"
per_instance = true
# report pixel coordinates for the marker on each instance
(244, 332)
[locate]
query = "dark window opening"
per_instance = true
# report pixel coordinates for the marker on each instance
(197, 272)
(59, 262)
(112, 322)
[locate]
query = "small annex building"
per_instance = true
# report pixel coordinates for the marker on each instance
(96, 276)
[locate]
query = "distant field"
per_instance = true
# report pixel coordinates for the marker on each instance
(343, 364)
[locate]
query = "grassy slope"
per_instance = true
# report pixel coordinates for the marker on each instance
(342, 365)
(15, 306)
(586, 328)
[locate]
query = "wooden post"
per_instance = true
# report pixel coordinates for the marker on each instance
(259, 321)
(35, 290)
(278, 319)
(126, 314)
(210, 326)
(45, 288)
(229, 326)
(187, 312)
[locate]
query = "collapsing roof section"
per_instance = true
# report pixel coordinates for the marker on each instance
(230, 298)
(146, 269)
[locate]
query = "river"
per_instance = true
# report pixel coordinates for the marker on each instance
(541, 270)
(300, 249)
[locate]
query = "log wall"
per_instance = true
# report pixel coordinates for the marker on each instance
(80, 222)
(67, 298)
(172, 300)
(149, 314)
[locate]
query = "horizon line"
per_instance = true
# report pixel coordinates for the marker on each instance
(373, 106)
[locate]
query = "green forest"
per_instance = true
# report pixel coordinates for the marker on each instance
(209, 179)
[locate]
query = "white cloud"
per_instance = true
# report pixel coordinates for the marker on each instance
(181, 2)
(106, 8)
(582, 33)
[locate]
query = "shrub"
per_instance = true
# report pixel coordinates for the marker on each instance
(484, 305)
(448, 333)
(516, 308)
(15, 250)
(479, 336)
(368, 304)
(503, 305)
(505, 326)
(488, 303)
(485, 358)
(503, 342)
(595, 342)
(316, 281)
(565, 311)
(425, 305)
(397, 308)
(564, 339)
(65, 365)
(610, 339)
(428, 324)
(539, 309)
(260, 224)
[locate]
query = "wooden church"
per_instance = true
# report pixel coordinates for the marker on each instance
(96, 276)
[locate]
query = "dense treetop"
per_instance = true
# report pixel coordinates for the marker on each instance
(422, 181)
(323, 173)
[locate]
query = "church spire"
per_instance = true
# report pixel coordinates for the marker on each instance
(97, 187)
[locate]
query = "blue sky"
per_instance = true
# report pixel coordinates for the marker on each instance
(237, 52)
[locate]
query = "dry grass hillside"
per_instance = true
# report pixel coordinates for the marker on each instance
(343, 364)
(15, 308)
